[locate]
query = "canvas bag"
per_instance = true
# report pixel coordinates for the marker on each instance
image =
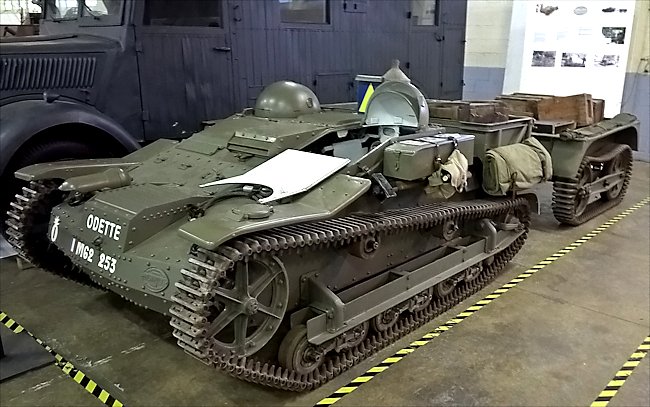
(521, 165)
(449, 178)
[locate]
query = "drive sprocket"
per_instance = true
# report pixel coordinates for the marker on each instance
(27, 225)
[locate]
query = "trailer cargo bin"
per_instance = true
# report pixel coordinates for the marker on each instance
(490, 135)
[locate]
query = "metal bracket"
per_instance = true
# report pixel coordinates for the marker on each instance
(381, 187)
(489, 232)
(325, 301)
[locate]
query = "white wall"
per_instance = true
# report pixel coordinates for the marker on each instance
(488, 26)
(636, 94)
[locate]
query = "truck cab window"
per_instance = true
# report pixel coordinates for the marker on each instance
(89, 12)
(62, 9)
(424, 12)
(97, 8)
(197, 13)
(304, 11)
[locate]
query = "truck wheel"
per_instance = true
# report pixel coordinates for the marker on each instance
(47, 151)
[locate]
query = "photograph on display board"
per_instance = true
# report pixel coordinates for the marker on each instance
(614, 35)
(580, 10)
(613, 9)
(546, 9)
(606, 60)
(543, 58)
(574, 59)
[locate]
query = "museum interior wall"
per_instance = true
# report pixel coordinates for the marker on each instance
(488, 27)
(636, 93)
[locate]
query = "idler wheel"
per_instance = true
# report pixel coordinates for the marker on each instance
(248, 306)
(298, 354)
(385, 320)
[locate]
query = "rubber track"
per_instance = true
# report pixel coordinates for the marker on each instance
(193, 300)
(37, 200)
(565, 192)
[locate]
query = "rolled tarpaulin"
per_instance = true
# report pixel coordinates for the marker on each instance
(520, 165)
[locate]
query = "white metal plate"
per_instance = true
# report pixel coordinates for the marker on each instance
(288, 173)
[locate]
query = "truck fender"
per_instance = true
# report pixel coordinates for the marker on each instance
(22, 120)
(75, 168)
(71, 168)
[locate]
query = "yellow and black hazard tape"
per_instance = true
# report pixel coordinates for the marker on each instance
(400, 354)
(626, 370)
(68, 368)
(14, 326)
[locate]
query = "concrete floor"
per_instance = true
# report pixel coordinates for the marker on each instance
(555, 339)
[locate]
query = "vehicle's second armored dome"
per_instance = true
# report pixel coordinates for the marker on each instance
(286, 99)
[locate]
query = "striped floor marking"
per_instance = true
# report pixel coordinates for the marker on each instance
(68, 368)
(626, 370)
(400, 354)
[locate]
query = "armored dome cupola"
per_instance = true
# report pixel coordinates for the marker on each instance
(285, 100)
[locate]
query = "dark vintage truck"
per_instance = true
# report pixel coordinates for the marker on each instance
(107, 76)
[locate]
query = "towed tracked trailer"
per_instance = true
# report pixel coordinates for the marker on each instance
(291, 241)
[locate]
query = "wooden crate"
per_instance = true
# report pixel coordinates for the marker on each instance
(578, 108)
(554, 127)
(599, 110)
(522, 104)
(468, 111)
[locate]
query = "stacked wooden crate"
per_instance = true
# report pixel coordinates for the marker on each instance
(581, 109)
(491, 111)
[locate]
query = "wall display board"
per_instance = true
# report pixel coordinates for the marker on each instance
(566, 47)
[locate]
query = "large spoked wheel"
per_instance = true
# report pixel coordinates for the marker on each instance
(298, 354)
(249, 306)
(581, 200)
(618, 165)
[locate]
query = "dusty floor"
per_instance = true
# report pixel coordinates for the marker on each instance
(556, 339)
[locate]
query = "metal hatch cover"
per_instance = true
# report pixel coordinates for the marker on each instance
(288, 173)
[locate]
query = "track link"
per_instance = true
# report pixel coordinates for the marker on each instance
(193, 299)
(28, 220)
(565, 192)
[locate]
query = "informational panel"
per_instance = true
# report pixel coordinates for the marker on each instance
(567, 47)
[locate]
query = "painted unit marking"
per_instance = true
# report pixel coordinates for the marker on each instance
(397, 356)
(626, 370)
(68, 368)
(85, 252)
(54, 232)
(103, 226)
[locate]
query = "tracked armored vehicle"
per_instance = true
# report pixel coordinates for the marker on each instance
(291, 241)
